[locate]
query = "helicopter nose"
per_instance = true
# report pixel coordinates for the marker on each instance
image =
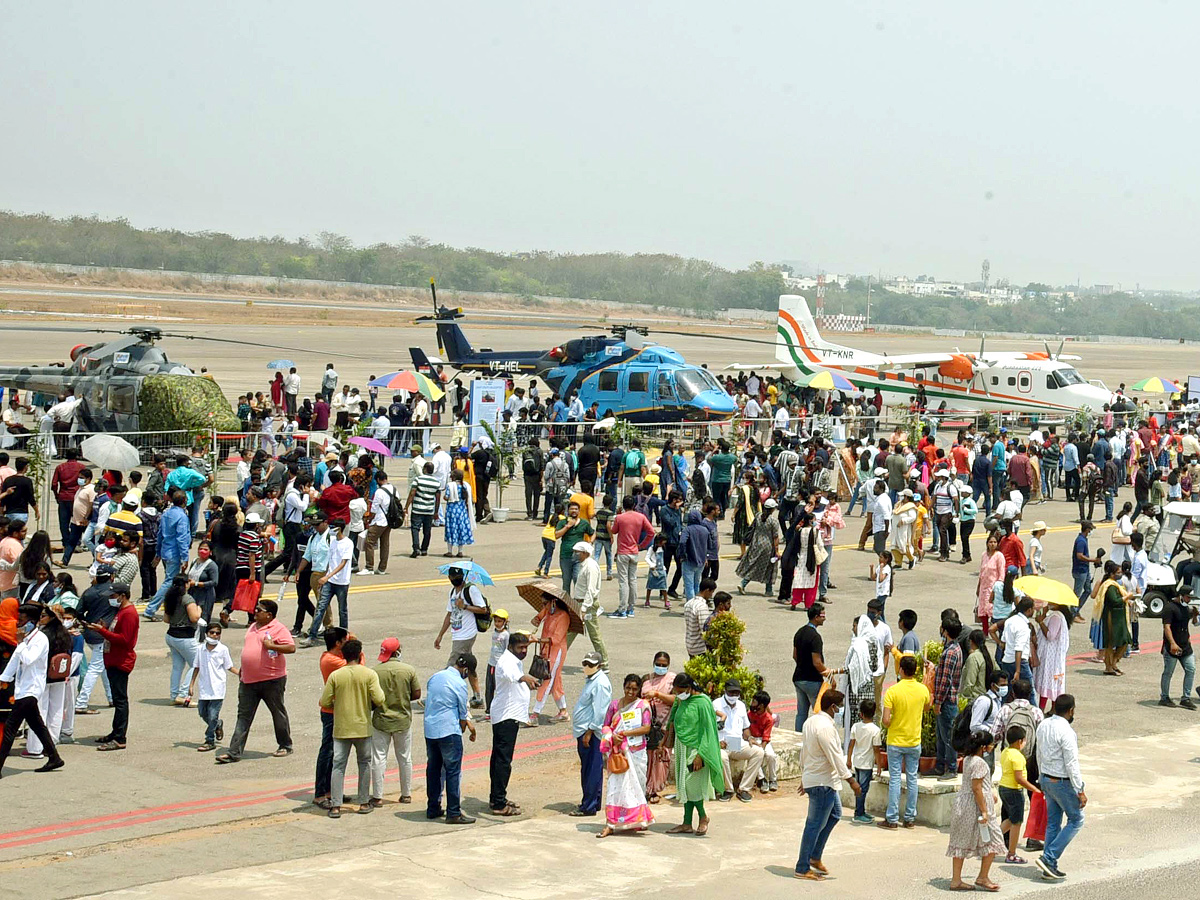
(716, 403)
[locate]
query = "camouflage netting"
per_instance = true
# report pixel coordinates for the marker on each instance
(177, 402)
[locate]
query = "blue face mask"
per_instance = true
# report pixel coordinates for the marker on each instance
(660, 670)
(29, 626)
(1002, 691)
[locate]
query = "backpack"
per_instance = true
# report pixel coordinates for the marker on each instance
(560, 478)
(529, 465)
(483, 621)
(960, 732)
(634, 459)
(394, 512)
(1023, 716)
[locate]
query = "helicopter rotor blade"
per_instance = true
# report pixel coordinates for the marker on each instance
(220, 340)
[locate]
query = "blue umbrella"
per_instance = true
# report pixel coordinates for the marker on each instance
(475, 573)
(280, 364)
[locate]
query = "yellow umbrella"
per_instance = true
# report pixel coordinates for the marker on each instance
(1039, 587)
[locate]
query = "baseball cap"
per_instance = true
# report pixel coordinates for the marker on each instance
(253, 519)
(467, 661)
(942, 473)
(591, 660)
(733, 686)
(880, 470)
(583, 547)
(122, 589)
(388, 648)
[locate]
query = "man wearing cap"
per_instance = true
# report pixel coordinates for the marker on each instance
(352, 692)
(510, 710)
(734, 736)
(392, 721)
(945, 508)
(587, 722)
(120, 639)
(586, 592)
(446, 718)
(174, 543)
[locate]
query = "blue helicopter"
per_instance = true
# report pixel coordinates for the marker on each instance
(643, 384)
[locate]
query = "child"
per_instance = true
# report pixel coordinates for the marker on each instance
(656, 579)
(1013, 784)
(909, 644)
(918, 532)
(603, 539)
(652, 479)
(212, 662)
(548, 537)
(1035, 548)
(881, 574)
(762, 723)
(865, 736)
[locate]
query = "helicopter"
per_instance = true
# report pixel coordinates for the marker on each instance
(129, 384)
(643, 384)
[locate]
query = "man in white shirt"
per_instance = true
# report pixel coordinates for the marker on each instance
(26, 672)
(378, 531)
(510, 710)
(752, 410)
(1061, 782)
(735, 741)
(291, 389)
(1188, 442)
(516, 402)
(381, 425)
(441, 471)
(335, 582)
(1016, 640)
(782, 418)
(881, 517)
(329, 380)
(884, 642)
(824, 769)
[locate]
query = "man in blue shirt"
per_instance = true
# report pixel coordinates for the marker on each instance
(559, 411)
(1082, 560)
(174, 541)
(587, 721)
(446, 718)
(183, 477)
(1000, 465)
(1101, 449)
(1070, 464)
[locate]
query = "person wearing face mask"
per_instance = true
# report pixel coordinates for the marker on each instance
(446, 718)
(119, 659)
(183, 615)
(986, 709)
(466, 602)
(71, 625)
(693, 729)
(510, 709)
(53, 699)
(656, 688)
(26, 671)
(392, 722)
(824, 770)
(587, 723)
(202, 577)
(735, 742)
(81, 512)
(207, 685)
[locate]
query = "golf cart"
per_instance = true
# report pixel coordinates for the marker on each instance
(1176, 544)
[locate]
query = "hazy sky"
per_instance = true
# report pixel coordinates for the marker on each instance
(1057, 139)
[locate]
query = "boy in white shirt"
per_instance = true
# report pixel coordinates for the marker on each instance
(1035, 548)
(865, 736)
(212, 663)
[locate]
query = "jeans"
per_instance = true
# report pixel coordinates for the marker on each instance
(604, 546)
(1060, 799)
(910, 758)
(401, 743)
(95, 670)
(210, 712)
(547, 555)
(947, 758)
(270, 692)
(443, 762)
(183, 659)
(945, 522)
(567, 564)
(999, 482)
(823, 581)
(421, 525)
(119, 682)
(981, 489)
(341, 757)
(64, 519)
(1189, 674)
(964, 532)
(626, 581)
(171, 568)
(1110, 496)
(863, 777)
(824, 810)
(71, 541)
(1071, 483)
(149, 573)
(691, 580)
(591, 772)
(806, 697)
(855, 497)
(504, 742)
(328, 592)
(1010, 669)
(324, 757)
(1083, 584)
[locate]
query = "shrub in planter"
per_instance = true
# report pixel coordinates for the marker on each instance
(723, 660)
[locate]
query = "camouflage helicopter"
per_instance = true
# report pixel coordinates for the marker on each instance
(128, 384)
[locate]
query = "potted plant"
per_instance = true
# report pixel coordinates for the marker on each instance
(506, 449)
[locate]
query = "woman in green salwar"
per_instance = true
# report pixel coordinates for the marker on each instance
(1115, 618)
(692, 725)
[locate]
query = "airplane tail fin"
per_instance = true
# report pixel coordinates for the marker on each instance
(797, 340)
(421, 362)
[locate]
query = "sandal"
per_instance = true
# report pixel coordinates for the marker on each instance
(407, 798)
(111, 745)
(335, 812)
(227, 758)
(989, 886)
(962, 887)
(702, 827)
(365, 808)
(323, 803)
(507, 812)
(205, 748)
(681, 829)
(604, 832)
(283, 751)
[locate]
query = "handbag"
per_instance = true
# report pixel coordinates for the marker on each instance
(246, 595)
(617, 762)
(654, 737)
(1119, 537)
(58, 667)
(539, 668)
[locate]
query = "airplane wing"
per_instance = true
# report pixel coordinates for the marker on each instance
(756, 367)
(908, 360)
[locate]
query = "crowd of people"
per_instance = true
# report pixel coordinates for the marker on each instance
(997, 681)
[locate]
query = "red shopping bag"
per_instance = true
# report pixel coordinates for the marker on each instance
(1035, 823)
(246, 594)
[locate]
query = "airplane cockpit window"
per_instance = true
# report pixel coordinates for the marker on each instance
(664, 387)
(1052, 381)
(1068, 376)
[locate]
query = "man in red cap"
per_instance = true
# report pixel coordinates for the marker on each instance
(392, 722)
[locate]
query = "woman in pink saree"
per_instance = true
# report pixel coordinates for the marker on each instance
(657, 683)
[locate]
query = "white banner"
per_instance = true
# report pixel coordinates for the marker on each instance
(487, 400)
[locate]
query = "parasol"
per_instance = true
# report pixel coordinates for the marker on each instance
(534, 593)
(826, 380)
(1157, 385)
(110, 452)
(372, 444)
(605, 424)
(414, 382)
(476, 574)
(1039, 587)
(281, 364)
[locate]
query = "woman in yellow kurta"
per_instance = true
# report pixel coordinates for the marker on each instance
(554, 621)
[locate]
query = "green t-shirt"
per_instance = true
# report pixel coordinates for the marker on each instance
(572, 536)
(722, 467)
(399, 681)
(635, 460)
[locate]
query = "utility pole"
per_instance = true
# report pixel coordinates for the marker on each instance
(868, 325)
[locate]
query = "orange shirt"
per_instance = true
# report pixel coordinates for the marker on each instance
(329, 663)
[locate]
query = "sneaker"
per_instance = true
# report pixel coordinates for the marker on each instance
(616, 614)
(364, 572)
(864, 820)
(1013, 860)
(774, 786)
(1188, 703)
(948, 776)
(744, 796)
(726, 797)
(1167, 701)
(304, 643)
(1034, 846)
(25, 754)
(629, 615)
(1048, 870)
(477, 703)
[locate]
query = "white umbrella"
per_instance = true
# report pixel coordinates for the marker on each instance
(110, 452)
(604, 424)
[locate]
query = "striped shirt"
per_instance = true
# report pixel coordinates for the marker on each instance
(426, 487)
(249, 542)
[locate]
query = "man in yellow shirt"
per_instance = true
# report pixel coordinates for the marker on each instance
(351, 692)
(904, 705)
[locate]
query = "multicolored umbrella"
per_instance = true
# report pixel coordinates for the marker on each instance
(371, 444)
(827, 380)
(1157, 385)
(410, 381)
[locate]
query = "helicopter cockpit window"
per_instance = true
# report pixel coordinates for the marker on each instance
(639, 382)
(121, 399)
(607, 380)
(664, 387)
(692, 382)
